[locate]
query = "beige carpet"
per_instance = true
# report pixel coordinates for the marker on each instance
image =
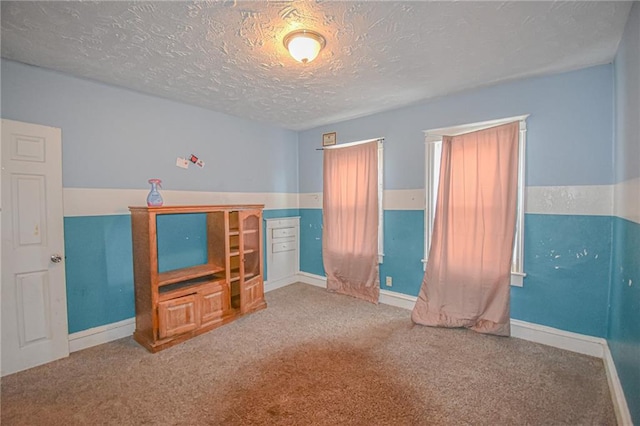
(314, 358)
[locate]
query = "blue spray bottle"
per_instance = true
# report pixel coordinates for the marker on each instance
(154, 199)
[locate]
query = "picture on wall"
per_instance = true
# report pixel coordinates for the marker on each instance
(329, 139)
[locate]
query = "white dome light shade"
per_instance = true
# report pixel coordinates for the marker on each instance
(304, 45)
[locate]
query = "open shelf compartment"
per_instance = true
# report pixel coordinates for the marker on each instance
(185, 274)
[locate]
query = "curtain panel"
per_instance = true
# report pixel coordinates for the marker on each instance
(467, 279)
(350, 221)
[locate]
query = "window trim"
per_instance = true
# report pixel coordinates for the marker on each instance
(433, 149)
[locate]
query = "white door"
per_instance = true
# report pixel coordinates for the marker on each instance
(33, 297)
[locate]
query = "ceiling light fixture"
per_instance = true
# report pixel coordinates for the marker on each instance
(304, 45)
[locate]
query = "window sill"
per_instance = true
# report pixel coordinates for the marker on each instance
(517, 279)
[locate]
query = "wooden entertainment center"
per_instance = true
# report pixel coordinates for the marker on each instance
(175, 305)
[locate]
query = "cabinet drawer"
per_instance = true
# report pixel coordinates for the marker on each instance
(281, 223)
(283, 232)
(177, 316)
(286, 246)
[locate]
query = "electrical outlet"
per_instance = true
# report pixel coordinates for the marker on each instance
(389, 282)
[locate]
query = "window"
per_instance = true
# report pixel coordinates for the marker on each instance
(380, 190)
(433, 149)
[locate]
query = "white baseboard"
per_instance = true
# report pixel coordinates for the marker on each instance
(397, 299)
(391, 298)
(312, 279)
(574, 342)
(103, 334)
(623, 415)
(272, 285)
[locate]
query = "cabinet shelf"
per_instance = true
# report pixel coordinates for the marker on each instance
(235, 275)
(184, 288)
(235, 251)
(185, 274)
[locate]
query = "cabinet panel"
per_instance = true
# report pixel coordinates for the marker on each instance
(177, 316)
(253, 293)
(214, 303)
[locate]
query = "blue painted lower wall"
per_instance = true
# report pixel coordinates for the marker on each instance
(403, 250)
(311, 241)
(566, 260)
(99, 270)
(99, 262)
(624, 319)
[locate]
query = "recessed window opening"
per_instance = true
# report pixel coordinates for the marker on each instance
(433, 150)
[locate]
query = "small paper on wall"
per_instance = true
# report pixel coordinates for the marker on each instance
(182, 163)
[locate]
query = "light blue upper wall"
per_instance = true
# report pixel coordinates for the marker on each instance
(568, 138)
(627, 81)
(117, 138)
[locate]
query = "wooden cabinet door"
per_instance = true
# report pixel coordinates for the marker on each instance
(214, 303)
(250, 244)
(177, 316)
(251, 286)
(253, 293)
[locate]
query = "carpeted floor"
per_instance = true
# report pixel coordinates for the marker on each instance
(315, 358)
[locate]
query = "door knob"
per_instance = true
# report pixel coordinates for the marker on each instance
(56, 258)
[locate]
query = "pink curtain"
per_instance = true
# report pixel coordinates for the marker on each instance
(350, 221)
(466, 283)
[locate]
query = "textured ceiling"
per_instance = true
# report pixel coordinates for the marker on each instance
(228, 56)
